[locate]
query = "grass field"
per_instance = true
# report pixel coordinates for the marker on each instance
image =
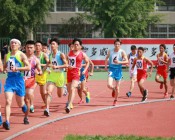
(72, 137)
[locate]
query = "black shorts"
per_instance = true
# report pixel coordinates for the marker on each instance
(172, 73)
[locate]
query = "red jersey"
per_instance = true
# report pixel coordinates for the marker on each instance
(142, 66)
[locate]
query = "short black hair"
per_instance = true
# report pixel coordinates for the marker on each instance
(44, 44)
(30, 42)
(118, 40)
(163, 45)
(55, 40)
(141, 48)
(70, 44)
(77, 39)
(133, 47)
(38, 41)
(5, 43)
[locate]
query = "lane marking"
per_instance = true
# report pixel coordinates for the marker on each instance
(82, 113)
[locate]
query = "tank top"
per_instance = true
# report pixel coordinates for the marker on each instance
(31, 72)
(14, 61)
(131, 61)
(57, 61)
(172, 58)
(115, 56)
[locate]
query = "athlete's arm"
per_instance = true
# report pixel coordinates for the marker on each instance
(92, 67)
(106, 60)
(63, 57)
(47, 62)
(5, 64)
(151, 64)
(125, 58)
(86, 59)
(134, 63)
(1, 66)
(38, 67)
(26, 64)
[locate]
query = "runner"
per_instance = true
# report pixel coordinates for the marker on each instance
(56, 77)
(117, 57)
(142, 64)
(75, 57)
(83, 79)
(14, 62)
(41, 79)
(1, 69)
(45, 49)
(133, 74)
(162, 60)
(29, 77)
(171, 62)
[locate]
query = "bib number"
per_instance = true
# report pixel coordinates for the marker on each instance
(72, 61)
(10, 65)
(139, 64)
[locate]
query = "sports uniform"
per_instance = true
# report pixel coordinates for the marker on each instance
(172, 66)
(29, 76)
(115, 70)
(142, 66)
(14, 82)
(56, 76)
(161, 67)
(131, 61)
(75, 61)
(41, 79)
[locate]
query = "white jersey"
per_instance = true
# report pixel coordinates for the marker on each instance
(131, 61)
(172, 58)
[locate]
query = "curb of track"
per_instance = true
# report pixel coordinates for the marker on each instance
(82, 113)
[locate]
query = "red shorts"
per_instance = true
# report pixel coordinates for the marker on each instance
(162, 72)
(141, 75)
(73, 74)
(30, 82)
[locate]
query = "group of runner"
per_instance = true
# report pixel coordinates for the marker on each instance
(39, 66)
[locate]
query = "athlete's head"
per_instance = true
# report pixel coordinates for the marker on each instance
(140, 51)
(15, 44)
(44, 47)
(30, 47)
(71, 46)
(54, 42)
(162, 47)
(117, 43)
(38, 46)
(77, 44)
(133, 49)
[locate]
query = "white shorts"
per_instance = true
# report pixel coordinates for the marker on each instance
(133, 73)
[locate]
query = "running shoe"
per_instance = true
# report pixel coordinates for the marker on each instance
(67, 109)
(113, 93)
(144, 99)
(46, 112)
(32, 109)
(81, 101)
(115, 102)
(26, 121)
(171, 97)
(0, 120)
(6, 125)
(88, 97)
(128, 94)
(161, 85)
(165, 94)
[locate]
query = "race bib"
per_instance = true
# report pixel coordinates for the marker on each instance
(139, 64)
(55, 63)
(72, 61)
(160, 62)
(27, 74)
(10, 64)
(114, 57)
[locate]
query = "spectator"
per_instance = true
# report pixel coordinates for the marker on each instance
(4, 50)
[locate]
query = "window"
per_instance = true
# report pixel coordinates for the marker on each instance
(65, 5)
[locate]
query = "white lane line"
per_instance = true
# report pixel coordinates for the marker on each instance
(82, 113)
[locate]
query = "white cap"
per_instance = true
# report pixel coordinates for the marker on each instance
(15, 40)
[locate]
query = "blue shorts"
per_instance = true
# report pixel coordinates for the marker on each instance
(82, 76)
(15, 84)
(115, 73)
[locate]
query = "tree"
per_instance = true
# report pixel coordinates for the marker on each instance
(75, 27)
(120, 18)
(19, 17)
